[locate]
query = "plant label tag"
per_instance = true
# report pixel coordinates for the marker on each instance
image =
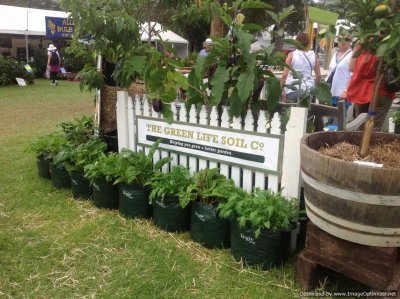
(372, 164)
(201, 217)
(20, 81)
(127, 194)
(248, 239)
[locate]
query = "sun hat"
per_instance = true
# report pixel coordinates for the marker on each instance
(51, 47)
(208, 41)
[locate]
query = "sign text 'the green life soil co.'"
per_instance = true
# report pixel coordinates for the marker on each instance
(249, 149)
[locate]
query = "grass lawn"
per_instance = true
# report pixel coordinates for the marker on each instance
(52, 246)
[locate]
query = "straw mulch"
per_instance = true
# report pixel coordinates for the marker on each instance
(387, 154)
(108, 116)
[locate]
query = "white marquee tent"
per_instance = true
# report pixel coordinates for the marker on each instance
(21, 21)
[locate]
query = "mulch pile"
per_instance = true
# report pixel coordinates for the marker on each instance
(387, 154)
(108, 116)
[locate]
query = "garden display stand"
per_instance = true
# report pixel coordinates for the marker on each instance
(376, 267)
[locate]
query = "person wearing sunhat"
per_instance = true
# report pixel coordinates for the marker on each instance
(207, 47)
(53, 63)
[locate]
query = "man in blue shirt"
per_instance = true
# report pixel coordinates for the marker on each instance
(207, 47)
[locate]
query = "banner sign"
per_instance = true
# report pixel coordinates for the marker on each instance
(59, 28)
(248, 149)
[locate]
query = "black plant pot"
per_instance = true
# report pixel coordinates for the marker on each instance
(60, 176)
(80, 186)
(397, 128)
(134, 201)
(105, 195)
(207, 228)
(264, 251)
(170, 216)
(43, 167)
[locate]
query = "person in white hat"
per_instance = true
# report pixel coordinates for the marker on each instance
(207, 47)
(53, 63)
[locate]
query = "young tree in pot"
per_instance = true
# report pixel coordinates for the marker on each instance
(102, 175)
(257, 223)
(75, 158)
(208, 189)
(133, 171)
(165, 189)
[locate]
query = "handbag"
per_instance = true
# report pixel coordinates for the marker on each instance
(391, 80)
(329, 80)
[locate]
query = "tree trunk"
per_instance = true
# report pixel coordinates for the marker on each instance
(217, 27)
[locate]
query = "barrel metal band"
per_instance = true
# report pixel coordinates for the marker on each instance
(353, 232)
(373, 199)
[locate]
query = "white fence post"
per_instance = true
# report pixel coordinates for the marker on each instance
(131, 125)
(183, 117)
(295, 130)
(174, 156)
(122, 119)
(203, 120)
(259, 180)
(273, 180)
(138, 112)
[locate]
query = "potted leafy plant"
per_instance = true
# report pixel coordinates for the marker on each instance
(102, 174)
(132, 173)
(41, 147)
(79, 130)
(396, 121)
(165, 189)
(257, 223)
(207, 190)
(75, 158)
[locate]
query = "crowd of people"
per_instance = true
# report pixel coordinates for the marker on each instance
(352, 76)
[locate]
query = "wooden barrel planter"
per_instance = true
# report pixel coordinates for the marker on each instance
(354, 202)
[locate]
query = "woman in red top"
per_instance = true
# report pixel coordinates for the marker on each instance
(360, 90)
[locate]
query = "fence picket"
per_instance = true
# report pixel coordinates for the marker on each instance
(131, 125)
(174, 156)
(213, 122)
(157, 154)
(225, 123)
(203, 120)
(183, 117)
(235, 171)
(273, 180)
(248, 174)
(146, 112)
(138, 112)
(259, 177)
(193, 119)
(122, 119)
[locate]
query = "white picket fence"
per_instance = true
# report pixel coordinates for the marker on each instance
(287, 180)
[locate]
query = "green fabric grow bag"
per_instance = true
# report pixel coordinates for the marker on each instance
(170, 216)
(43, 167)
(80, 186)
(134, 201)
(60, 176)
(105, 195)
(207, 228)
(264, 251)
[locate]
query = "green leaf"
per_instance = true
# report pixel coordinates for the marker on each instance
(285, 13)
(218, 80)
(167, 113)
(274, 91)
(382, 50)
(245, 85)
(322, 92)
(137, 63)
(244, 40)
(255, 4)
(236, 106)
(252, 27)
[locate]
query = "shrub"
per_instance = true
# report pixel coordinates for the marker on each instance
(169, 184)
(79, 130)
(11, 69)
(208, 186)
(263, 209)
(48, 146)
(39, 62)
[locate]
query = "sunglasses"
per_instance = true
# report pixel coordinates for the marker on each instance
(343, 39)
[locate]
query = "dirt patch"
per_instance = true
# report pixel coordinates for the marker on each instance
(108, 116)
(387, 154)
